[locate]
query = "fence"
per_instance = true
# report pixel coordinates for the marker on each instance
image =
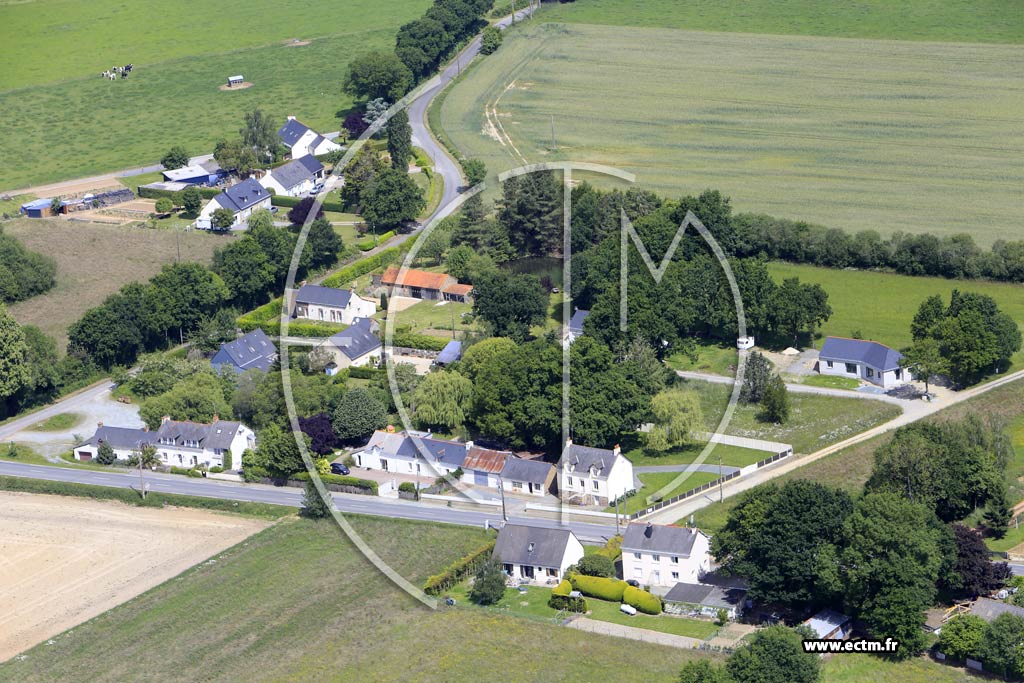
(683, 496)
(744, 442)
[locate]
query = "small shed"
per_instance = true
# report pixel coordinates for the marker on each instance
(830, 625)
(38, 208)
(235, 80)
(451, 352)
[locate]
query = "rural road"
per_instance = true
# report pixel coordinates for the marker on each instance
(258, 493)
(915, 411)
(66, 405)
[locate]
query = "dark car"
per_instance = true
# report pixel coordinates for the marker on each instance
(633, 582)
(338, 468)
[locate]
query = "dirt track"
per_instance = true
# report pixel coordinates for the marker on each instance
(65, 560)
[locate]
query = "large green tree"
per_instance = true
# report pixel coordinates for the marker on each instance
(323, 244)
(14, 372)
(775, 401)
(246, 270)
(358, 414)
(961, 636)
(176, 157)
(198, 399)
(510, 303)
(378, 74)
(443, 400)
(799, 308)
(774, 655)
(531, 212)
(678, 419)
(391, 199)
(757, 373)
(924, 360)
(400, 140)
(259, 133)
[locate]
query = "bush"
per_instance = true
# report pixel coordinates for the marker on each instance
(368, 244)
(458, 570)
(600, 588)
(216, 469)
(596, 565)
(340, 480)
(612, 549)
(488, 584)
(407, 487)
(153, 193)
(362, 372)
(564, 602)
(188, 472)
(643, 601)
(291, 202)
(563, 588)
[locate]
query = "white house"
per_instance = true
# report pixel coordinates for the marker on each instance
(528, 477)
(241, 199)
(301, 140)
(330, 304)
(863, 360)
(179, 444)
(413, 453)
(593, 476)
(664, 555)
(297, 178)
(355, 346)
(531, 553)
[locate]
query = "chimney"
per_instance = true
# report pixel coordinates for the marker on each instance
(469, 445)
(291, 118)
(693, 530)
(648, 530)
(99, 424)
(568, 442)
(145, 428)
(165, 418)
(215, 417)
(616, 450)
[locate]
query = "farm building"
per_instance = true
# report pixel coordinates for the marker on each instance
(203, 173)
(241, 199)
(301, 140)
(422, 284)
(862, 359)
(296, 178)
(37, 208)
(330, 304)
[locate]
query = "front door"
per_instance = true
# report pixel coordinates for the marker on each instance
(527, 572)
(384, 465)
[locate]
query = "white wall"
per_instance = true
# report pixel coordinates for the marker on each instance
(861, 371)
(357, 307)
(656, 569)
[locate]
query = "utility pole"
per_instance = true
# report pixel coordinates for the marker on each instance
(617, 516)
(721, 484)
(513, 11)
(554, 148)
(452, 305)
(501, 489)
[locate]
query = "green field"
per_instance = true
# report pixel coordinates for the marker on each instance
(848, 133)
(57, 423)
(297, 602)
(988, 21)
(860, 668)
(64, 121)
(656, 481)
(880, 306)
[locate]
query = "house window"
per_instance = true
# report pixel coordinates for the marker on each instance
(828, 364)
(675, 559)
(638, 573)
(871, 372)
(517, 485)
(675, 576)
(596, 485)
(656, 557)
(899, 373)
(552, 572)
(851, 368)
(638, 556)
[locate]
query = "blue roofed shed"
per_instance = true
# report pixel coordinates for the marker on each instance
(451, 352)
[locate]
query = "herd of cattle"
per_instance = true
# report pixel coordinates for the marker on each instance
(111, 73)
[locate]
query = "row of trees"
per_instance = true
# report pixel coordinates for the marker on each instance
(952, 256)
(885, 555)
(997, 644)
(23, 273)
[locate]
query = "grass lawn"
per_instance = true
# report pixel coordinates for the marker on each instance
(718, 359)
(57, 423)
(81, 283)
(846, 133)
(297, 602)
(830, 381)
(132, 182)
(58, 48)
(851, 467)
(656, 481)
(11, 206)
(866, 302)
(861, 668)
(814, 421)
(984, 22)
(731, 456)
(427, 315)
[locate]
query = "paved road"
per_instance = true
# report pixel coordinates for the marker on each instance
(367, 505)
(915, 411)
(65, 405)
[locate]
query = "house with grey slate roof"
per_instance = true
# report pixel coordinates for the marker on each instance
(575, 329)
(664, 554)
(863, 360)
(537, 554)
(252, 351)
(178, 444)
(355, 346)
(330, 304)
(593, 476)
(301, 140)
(413, 453)
(296, 178)
(705, 600)
(242, 200)
(532, 477)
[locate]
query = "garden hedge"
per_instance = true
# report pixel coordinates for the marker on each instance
(406, 339)
(340, 480)
(568, 604)
(154, 193)
(458, 570)
(643, 601)
(363, 372)
(361, 267)
(563, 588)
(289, 202)
(599, 587)
(370, 243)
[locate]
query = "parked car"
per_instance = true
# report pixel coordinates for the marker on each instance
(339, 468)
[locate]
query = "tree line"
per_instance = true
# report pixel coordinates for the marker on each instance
(884, 556)
(23, 273)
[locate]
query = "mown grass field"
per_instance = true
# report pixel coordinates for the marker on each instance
(860, 668)
(64, 121)
(297, 602)
(881, 305)
(93, 261)
(848, 133)
(988, 21)
(851, 467)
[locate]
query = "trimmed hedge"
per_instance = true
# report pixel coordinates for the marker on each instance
(368, 244)
(413, 340)
(366, 485)
(458, 570)
(600, 588)
(188, 472)
(153, 193)
(290, 202)
(362, 372)
(361, 267)
(563, 588)
(568, 604)
(407, 487)
(643, 601)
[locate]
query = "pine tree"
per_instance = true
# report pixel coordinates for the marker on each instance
(400, 140)
(998, 513)
(775, 403)
(756, 377)
(105, 454)
(313, 505)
